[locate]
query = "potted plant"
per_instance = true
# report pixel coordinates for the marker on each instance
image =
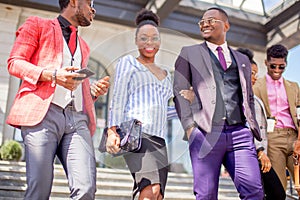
(11, 150)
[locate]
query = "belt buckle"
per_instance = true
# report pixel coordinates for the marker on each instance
(71, 106)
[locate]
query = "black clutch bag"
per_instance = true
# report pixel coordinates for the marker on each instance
(130, 133)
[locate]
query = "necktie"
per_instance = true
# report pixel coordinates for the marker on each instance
(72, 41)
(221, 58)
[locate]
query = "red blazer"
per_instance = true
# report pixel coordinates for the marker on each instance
(39, 46)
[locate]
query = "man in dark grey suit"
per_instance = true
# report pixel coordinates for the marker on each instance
(220, 123)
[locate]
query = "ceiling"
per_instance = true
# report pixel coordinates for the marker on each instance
(265, 8)
(254, 23)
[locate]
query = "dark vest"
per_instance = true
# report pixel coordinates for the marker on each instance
(229, 93)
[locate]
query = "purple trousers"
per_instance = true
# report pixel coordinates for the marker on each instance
(233, 147)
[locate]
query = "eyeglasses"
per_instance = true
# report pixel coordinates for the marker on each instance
(254, 73)
(209, 21)
(281, 67)
(147, 39)
(92, 5)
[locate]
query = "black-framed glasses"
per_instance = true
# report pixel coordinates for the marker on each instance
(147, 39)
(209, 21)
(274, 66)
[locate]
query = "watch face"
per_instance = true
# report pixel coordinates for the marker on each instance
(53, 78)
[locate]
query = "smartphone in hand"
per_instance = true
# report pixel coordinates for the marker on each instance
(85, 71)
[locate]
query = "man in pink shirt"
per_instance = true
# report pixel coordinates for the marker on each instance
(280, 98)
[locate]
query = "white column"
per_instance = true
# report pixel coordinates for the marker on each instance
(9, 20)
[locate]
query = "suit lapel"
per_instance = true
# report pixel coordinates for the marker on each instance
(241, 67)
(204, 52)
(58, 38)
(201, 67)
(264, 96)
(289, 93)
(84, 53)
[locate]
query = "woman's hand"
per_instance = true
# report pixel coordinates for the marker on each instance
(265, 162)
(189, 132)
(113, 141)
(188, 94)
(100, 87)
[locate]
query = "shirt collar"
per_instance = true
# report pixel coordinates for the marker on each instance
(271, 81)
(64, 23)
(213, 47)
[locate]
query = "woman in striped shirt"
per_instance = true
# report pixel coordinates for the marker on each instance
(141, 91)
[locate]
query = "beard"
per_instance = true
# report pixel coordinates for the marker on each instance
(82, 20)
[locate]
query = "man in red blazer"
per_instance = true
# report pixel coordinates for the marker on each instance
(54, 110)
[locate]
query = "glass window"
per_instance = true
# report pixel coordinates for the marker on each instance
(102, 102)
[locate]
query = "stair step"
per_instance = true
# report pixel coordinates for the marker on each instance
(112, 184)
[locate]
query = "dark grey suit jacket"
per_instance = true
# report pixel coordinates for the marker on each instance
(193, 67)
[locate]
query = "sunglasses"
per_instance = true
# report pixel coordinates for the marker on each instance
(281, 67)
(209, 21)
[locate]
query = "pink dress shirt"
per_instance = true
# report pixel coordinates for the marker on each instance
(278, 102)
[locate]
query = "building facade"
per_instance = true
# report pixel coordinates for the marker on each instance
(108, 42)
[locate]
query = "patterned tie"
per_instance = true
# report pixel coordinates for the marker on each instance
(72, 41)
(221, 58)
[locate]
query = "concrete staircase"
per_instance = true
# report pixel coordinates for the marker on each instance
(112, 184)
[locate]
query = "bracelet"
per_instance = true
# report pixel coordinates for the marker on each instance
(262, 153)
(53, 78)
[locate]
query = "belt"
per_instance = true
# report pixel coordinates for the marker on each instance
(71, 106)
(284, 129)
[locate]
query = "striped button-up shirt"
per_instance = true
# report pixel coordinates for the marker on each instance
(138, 94)
(261, 118)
